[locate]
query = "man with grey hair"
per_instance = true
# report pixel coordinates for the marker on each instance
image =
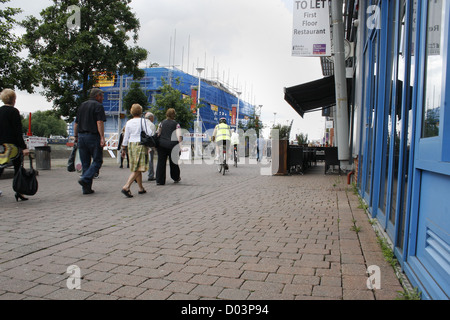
(89, 131)
(151, 172)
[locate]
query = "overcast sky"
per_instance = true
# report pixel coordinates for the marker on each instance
(245, 42)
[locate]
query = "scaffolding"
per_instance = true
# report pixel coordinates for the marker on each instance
(217, 98)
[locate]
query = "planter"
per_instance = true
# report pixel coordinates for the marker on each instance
(279, 161)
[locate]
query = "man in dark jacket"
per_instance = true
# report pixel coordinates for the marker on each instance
(89, 132)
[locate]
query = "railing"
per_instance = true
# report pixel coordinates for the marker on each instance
(112, 144)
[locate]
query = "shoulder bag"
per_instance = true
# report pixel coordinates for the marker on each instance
(147, 140)
(25, 180)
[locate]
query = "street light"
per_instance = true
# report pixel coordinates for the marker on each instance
(237, 115)
(258, 112)
(197, 138)
(199, 70)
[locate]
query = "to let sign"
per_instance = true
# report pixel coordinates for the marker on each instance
(311, 34)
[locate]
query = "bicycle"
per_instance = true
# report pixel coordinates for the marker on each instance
(222, 165)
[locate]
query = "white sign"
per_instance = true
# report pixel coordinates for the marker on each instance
(33, 142)
(329, 125)
(434, 27)
(311, 35)
(194, 135)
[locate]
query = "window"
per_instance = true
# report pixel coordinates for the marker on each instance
(434, 69)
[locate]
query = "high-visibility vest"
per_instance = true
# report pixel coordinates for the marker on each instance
(223, 132)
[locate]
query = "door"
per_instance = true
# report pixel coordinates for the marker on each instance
(428, 261)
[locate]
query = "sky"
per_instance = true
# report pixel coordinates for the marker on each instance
(246, 43)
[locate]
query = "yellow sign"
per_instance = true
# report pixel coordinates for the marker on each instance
(214, 108)
(102, 79)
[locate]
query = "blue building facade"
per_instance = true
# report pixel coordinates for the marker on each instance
(401, 136)
(217, 100)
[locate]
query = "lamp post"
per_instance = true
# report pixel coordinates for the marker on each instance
(237, 115)
(29, 133)
(260, 109)
(257, 117)
(257, 132)
(198, 149)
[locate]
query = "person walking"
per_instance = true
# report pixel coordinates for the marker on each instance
(169, 132)
(151, 168)
(138, 153)
(12, 145)
(89, 132)
(234, 142)
(119, 147)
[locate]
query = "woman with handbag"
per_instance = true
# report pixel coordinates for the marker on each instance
(169, 132)
(12, 145)
(137, 153)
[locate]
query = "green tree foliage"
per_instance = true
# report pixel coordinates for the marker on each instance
(301, 139)
(253, 123)
(135, 95)
(283, 131)
(45, 124)
(15, 72)
(172, 98)
(69, 45)
(431, 123)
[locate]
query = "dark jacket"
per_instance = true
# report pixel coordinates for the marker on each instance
(11, 127)
(168, 137)
(88, 114)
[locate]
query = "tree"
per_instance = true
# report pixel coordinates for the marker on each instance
(172, 98)
(135, 95)
(302, 139)
(283, 131)
(45, 124)
(14, 71)
(253, 123)
(74, 39)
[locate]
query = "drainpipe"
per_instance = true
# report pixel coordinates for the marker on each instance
(342, 133)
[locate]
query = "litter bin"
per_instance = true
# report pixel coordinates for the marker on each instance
(43, 159)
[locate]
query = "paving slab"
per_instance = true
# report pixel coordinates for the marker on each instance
(235, 237)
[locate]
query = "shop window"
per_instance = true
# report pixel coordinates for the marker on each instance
(434, 70)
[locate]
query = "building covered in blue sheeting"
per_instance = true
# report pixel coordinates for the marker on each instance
(217, 99)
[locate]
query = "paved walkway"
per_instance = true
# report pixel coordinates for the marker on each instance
(243, 236)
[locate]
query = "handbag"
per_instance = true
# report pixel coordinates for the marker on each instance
(25, 180)
(147, 140)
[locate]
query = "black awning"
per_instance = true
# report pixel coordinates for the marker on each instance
(313, 96)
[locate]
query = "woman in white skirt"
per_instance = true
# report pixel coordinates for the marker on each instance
(137, 153)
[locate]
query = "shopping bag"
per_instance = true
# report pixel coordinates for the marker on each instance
(71, 161)
(78, 165)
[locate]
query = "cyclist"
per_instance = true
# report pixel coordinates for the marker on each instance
(222, 136)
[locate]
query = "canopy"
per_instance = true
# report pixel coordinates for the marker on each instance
(312, 96)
